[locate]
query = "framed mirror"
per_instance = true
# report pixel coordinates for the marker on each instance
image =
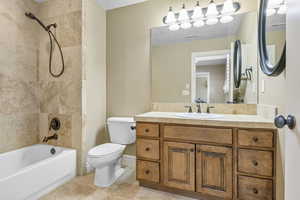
(237, 63)
(198, 63)
(271, 36)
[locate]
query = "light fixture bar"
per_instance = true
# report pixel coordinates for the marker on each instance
(236, 6)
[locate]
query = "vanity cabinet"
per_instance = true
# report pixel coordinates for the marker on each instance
(214, 170)
(179, 165)
(209, 163)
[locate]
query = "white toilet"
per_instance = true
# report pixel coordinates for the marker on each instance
(106, 158)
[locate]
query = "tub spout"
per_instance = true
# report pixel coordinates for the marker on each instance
(53, 137)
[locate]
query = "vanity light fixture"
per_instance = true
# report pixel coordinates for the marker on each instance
(276, 7)
(212, 11)
(199, 16)
(171, 19)
(282, 9)
(183, 15)
(226, 19)
(227, 12)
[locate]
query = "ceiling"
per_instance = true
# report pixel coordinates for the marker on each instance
(112, 4)
(162, 35)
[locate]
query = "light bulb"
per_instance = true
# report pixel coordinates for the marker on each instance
(186, 25)
(199, 23)
(183, 14)
(212, 9)
(212, 21)
(197, 13)
(270, 12)
(282, 10)
(174, 27)
(170, 17)
(226, 19)
(228, 8)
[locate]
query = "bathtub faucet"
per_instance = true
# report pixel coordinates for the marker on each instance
(53, 137)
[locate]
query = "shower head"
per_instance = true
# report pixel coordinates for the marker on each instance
(30, 15)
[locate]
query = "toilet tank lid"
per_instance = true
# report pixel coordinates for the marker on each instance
(121, 119)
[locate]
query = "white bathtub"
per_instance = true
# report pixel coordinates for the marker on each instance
(31, 172)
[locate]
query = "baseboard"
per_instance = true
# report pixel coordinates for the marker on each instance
(129, 161)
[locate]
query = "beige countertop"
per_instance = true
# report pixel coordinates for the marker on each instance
(227, 120)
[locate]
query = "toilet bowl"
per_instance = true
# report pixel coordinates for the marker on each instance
(106, 158)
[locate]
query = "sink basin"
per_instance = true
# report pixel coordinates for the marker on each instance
(198, 116)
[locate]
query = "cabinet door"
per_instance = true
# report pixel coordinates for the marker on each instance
(179, 165)
(214, 171)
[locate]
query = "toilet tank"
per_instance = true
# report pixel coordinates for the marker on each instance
(121, 130)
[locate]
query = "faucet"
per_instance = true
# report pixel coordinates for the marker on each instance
(53, 137)
(190, 108)
(198, 102)
(208, 108)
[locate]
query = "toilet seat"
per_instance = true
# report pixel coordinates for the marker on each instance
(106, 150)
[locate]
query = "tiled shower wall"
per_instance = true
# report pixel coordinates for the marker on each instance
(29, 96)
(61, 97)
(19, 104)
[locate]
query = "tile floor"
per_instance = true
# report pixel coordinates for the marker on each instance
(126, 188)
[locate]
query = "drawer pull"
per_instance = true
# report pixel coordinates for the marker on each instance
(255, 163)
(147, 149)
(255, 191)
(147, 172)
(147, 130)
(255, 139)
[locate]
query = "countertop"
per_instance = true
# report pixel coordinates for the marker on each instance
(227, 120)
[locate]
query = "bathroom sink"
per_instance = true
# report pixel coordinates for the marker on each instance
(198, 116)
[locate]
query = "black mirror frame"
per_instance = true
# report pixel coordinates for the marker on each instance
(265, 65)
(237, 63)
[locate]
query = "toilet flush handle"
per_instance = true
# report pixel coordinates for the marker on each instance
(133, 127)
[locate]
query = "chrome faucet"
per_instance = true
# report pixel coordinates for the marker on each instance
(53, 137)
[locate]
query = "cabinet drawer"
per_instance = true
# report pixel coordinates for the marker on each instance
(148, 171)
(148, 149)
(256, 162)
(201, 134)
(255, 138)
(254, 188)
(145, 129)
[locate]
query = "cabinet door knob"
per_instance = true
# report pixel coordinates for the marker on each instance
(255, 139)
(147, 171)
(192, 150)
(147, 149)
(198, 151)
(146, 130)
(255, 163)
(255, 191)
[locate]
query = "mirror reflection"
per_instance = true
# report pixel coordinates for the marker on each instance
(197, 63)
(276, 29)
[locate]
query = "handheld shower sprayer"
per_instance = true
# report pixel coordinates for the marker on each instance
(51, 38)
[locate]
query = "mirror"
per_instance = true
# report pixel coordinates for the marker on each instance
(198, 63)
(272, 36)
(237, 63)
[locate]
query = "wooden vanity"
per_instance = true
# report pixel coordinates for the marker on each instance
(207, 161)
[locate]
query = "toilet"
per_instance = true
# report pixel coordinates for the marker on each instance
(106, 158)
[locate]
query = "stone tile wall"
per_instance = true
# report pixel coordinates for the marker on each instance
(19, 102)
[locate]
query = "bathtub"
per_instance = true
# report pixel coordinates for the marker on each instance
(31, 172)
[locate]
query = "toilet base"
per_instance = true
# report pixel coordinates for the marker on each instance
(106, 176)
